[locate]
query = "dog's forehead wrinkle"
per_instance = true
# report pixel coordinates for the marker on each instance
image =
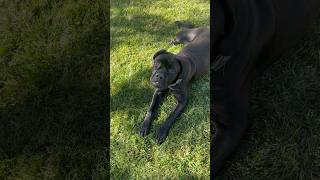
(165, 60)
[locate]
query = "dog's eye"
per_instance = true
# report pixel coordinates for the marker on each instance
(156, 66)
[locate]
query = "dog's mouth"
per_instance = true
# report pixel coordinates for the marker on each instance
(155, 84)
(158, 85)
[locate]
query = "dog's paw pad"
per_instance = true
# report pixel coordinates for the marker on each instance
(160, 140)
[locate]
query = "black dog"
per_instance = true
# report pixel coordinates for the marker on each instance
(172, 73)
(247, 37)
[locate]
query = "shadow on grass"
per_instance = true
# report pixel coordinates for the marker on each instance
(131, 94)
(53, 102)
(125, 24)
(285, 119)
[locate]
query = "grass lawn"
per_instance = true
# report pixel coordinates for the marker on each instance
(138, 30)
(52, 89)
(53, 100)
(283, 141)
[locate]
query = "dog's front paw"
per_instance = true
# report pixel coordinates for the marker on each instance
(162, 135)
(144, 131)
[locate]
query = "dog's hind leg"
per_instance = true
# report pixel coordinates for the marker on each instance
(230, 120)
(230, 104)
(228, 134)
(185, 36)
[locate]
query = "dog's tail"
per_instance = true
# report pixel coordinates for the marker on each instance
(184, 24)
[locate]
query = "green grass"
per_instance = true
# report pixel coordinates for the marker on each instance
(138, 30)
(52, 96)
(284, 136)
(53, 103)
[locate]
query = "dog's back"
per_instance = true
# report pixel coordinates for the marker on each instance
(198, 49)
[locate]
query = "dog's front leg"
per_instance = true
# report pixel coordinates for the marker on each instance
(157, 98)
(165, 127)
(230, 119)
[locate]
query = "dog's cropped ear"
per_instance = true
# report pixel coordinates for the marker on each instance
(158, 53)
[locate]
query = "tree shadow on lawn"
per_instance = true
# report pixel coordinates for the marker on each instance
(63, 123)
(131, 93)
(53, 104)
(285, 119)
(124, 25)
(151, 25)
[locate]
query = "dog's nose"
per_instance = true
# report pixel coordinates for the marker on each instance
(159, 77)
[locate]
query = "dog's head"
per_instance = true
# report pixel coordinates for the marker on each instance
(166, 69)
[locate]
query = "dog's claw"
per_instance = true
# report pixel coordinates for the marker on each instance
(144, 131)
(161, 136)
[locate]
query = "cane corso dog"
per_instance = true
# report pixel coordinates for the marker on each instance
(173, 73)
(248, 35)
